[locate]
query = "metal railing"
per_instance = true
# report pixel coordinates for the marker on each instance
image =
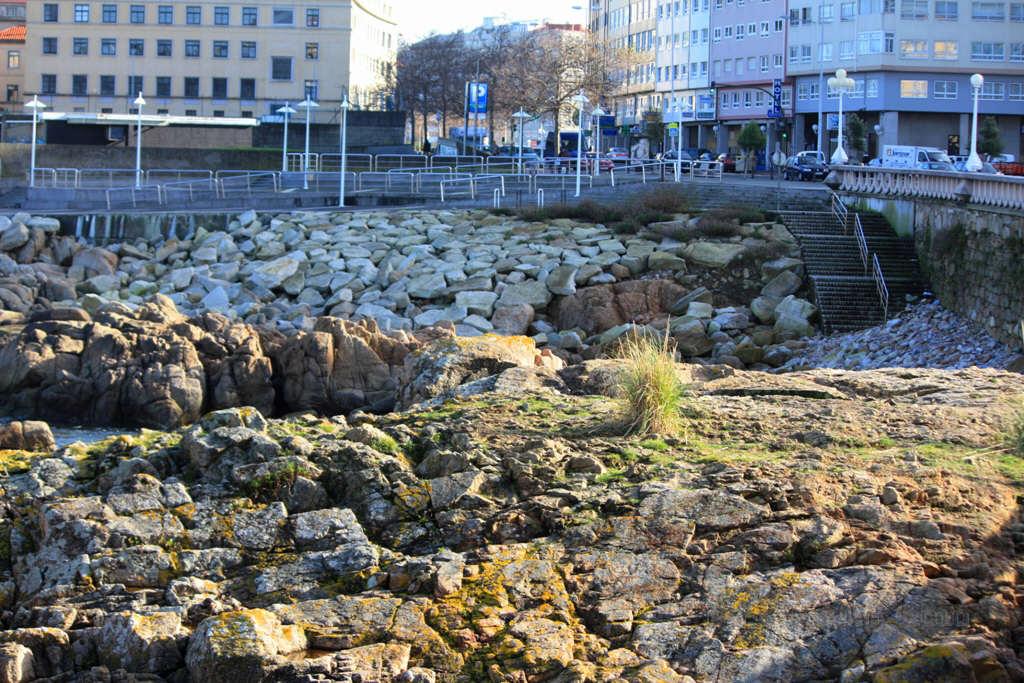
(981, 189)
(862, 242)
(106, 177)
(456, 160)
(450, 188)
(840, 211)
(295, 160)
(147, 195)
(156, 175)
(384, 162)
(882, 287)
(353, 162)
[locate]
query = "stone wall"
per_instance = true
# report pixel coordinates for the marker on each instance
(974, 260)
(15, 158)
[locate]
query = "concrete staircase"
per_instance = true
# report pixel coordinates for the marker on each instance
(848, 294)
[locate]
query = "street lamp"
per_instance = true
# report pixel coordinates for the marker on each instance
(521, 116)
(344, 147)
(840, 83)
(580, 101)
(35, 105)
(596, 115)
(679, 141)
(974, 161)
(309, 105)
(139, 104)
(285, 111)
(542, 134)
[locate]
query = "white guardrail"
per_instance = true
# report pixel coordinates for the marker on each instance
(975, 188)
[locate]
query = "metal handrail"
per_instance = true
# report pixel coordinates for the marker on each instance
(882, 287)
(841, 212)
(179, 174)
(862, 242)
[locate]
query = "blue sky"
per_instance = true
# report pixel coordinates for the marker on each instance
(417, 18)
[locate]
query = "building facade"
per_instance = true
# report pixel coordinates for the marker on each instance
(226, 58)
(683, 74)
(911, 61)
(12, 45)
(629, 28)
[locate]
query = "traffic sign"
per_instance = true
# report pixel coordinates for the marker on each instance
(774, 114)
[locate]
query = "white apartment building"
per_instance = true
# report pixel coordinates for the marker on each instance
(682, 75)
(208, 58)
(629, 27)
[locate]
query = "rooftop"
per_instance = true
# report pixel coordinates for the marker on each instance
(13, 33)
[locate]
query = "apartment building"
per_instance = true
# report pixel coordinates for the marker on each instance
(683, 75)
(629, 27)
(748, 47)
(12, 52)
(911, 61)
(223, 58)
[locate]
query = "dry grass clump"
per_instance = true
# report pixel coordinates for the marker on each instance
(650, 389)
(1013, 433)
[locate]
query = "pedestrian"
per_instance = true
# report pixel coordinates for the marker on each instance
(426, 147)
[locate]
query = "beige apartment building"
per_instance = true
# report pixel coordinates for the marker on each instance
(223, 58)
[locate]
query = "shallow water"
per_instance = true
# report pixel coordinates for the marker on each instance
(69, 435)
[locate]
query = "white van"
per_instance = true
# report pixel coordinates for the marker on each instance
(919, 158)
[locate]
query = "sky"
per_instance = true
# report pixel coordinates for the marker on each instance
(418, 18)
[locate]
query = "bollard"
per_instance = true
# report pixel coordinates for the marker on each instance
(497, 198)
(540, 197)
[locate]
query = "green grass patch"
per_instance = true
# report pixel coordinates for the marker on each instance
(1013, 432)
(610, 476)
(650, 389)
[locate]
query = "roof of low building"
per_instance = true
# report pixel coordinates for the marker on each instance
(13, 33)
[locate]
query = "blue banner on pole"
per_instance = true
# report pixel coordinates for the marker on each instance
(477, 98)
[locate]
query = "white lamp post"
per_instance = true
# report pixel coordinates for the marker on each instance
(597, 114)
(840, 83)
(35, 105)
(543, 141)
(309, 105)
(344, 144)
(580, 101)
(679, 141)
(974, 161)
(285, 111)
(139, 104)
(521, 116)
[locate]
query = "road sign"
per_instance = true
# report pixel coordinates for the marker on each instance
(776, 109)
(477, 98)
(774, 114)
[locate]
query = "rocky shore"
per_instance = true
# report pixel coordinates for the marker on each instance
(825, 525)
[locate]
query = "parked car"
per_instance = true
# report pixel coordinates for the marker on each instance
(617, 153)
(960, 164)
(918, 158)
(806, 167)
(687, 154)
(606, 163)
(728, 162)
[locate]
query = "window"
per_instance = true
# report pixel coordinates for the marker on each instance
(1017, 11)
(827, 13)
(313, 51)
(284, 16)
(136, 47)
(281, 68)
(747, 99)
(872, 90)
(913, 9)
(313, 17)
(764, 63)
(249, 16)
(220, 49)
(247, 88)
(163, 86)
(870, 43)
(913, 89)
(191, 87)
(780, 25)
(135, 85)
(947, 10)
(108, 47)
(946, 49)
(13, 59)
(741, 31)
(1015, 91)
(847, 10)
(48, 84)
(988, 11)
(221, 16)
(109, 14)
(913, 49)
(81, 13)
(49, 46)
(108, 86)
(191, 48)
(165, 14)
(987, 52)
(80, 46)
(79, 85)
(993, 90)
(945, 90)
(825, 53)
(191, 112)
(846, 50)
(717, 35)
(193, 15)
(164, 48)
(248, 49)
(50, 12)
(777, 61)
(137, 14)
(1017, 52)
(220, 88)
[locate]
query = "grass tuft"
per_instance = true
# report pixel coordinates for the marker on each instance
(1013, 433)
(650, 388)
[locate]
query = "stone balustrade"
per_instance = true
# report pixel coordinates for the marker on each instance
(996, 191)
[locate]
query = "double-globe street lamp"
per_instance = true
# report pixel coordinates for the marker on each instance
(139, 103)
(596, 116)
(580, 101)
(974, 161)
(285, 111)
(521, 116)
(35, 105)
(309, 105)
(840, 83)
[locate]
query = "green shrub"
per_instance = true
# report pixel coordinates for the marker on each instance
(649, 386)
(714, 227)
(761, 253)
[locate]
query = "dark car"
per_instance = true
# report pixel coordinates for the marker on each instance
(804, 167)
(728, 162)
(688, 154)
